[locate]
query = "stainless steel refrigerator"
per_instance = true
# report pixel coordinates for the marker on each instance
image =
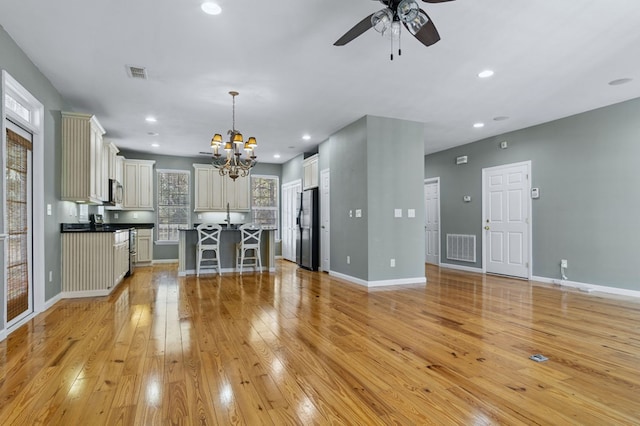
(308, 238)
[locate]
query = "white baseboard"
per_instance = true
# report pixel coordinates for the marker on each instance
(3, 335)
(381, 283)
(86, 293)
(461, 268)
(588, 288)
(162, 261)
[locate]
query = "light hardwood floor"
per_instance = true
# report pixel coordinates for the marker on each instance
(295, 347)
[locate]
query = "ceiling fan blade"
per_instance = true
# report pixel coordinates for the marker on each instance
(435, 1)
(357, 30)
(423, 29)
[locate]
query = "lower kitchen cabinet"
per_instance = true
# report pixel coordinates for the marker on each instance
(93, 263)
(145, 246)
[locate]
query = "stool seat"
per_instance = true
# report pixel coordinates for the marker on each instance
(248, 249)
(208, 241)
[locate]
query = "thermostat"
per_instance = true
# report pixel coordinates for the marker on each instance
(535, 192)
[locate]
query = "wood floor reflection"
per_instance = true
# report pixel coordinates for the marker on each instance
(296, 347)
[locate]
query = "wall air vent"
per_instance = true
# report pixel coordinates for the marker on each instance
(461, 247)
(137, 72)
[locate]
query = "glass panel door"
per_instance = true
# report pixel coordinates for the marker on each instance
(18, 226)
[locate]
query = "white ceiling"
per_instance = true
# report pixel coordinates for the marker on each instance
(552, 58)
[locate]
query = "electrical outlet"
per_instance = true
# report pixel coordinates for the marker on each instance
(564, 263)
(135, 215)
(199, 216)
(350, 213)
(48, 209)
(348, 260)
(116, 215)
(392, 263)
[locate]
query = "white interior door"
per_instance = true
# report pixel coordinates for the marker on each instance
(506, 219)
(432, 221)
(289, 196)
(325, 216)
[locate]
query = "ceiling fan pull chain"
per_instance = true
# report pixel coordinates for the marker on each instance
(399, 40)
(391, 33)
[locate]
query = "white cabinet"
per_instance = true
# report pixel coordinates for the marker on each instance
(120, 255)
(213, 192)
(93, 263)
(310, 168)
(111, 154)
(237, 193)
(138, 184)
(84, 176)
(144, 246)
(209, 189)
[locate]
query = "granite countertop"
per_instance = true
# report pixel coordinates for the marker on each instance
(107, 227)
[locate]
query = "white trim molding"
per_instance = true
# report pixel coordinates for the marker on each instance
(461, 268)
(55, 299)
(380, 283)
(588, 288)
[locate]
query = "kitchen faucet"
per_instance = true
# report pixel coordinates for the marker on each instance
(228, 219)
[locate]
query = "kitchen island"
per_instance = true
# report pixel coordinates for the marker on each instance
(188, 241)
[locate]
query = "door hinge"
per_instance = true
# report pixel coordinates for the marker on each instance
(526, 220)
(527, 265)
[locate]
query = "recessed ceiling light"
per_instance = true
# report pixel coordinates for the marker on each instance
(276, 155)
(500, 118)
(306, 137)
(485, 74)
(478, 125)
(150, 119)
(211, 8)
(155, 145)
(620, 81)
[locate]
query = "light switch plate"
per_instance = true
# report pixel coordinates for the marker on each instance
(397, 213)
(48, 209)
(358, 213)
(411, 213)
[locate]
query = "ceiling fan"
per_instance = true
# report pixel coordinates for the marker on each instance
(387, 20)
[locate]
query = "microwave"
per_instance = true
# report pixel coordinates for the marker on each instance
(115, 193)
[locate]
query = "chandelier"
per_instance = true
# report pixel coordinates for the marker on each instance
(233, 164)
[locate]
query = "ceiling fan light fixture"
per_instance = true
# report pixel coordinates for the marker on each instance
(408, 10)
(381, 20)
(417, 23)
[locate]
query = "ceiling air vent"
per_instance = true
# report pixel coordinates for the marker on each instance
(208, 154)
(137, 72)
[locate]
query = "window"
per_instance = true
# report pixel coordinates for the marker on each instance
(264, 202)
(174, 208)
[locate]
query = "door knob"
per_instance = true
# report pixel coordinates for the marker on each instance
(486, 228)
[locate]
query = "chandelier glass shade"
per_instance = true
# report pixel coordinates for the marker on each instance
(231, 162)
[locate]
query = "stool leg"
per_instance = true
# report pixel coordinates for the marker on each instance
(199, 258)
(259, 259)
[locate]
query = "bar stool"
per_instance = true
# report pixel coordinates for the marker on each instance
(208, 240)
(248, 249)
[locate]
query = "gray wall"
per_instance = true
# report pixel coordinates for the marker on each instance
(292, 170)
(14, 61)
(364, 176)
(324, 156)
(395, 182)
(170, 251)
(349, 236)
(586, 167)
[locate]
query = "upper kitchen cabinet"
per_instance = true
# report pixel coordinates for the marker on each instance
(111, 161)
(310, 168)
(237, 193)
(138, 184)
(84, 175)
(214, 192)
(209, 189)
